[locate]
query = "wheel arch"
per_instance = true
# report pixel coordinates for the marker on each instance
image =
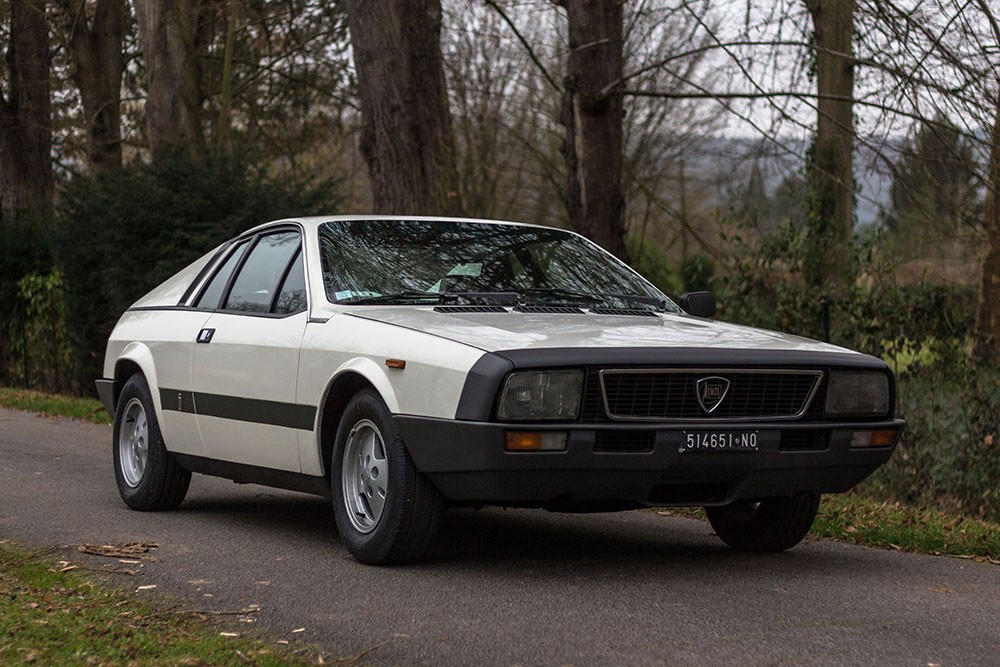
(350, 378)
(137, 358)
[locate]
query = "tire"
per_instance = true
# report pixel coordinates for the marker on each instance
(148, 477)
(772, 524)
(387, 512)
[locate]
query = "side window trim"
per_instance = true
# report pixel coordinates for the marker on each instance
(235, 274)
(213, 264)
(244, 246)
(284, 277)
(247, 244)
(226, 293)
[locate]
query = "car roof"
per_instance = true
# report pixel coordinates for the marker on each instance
(316, 220)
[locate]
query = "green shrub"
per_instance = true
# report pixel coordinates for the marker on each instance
(653, 265)
(121, 234)
(25, 248)
(39, 340)
(950, 452)
(698, 273)
(765, 286)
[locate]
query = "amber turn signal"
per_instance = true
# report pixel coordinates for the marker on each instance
(880, 438)
(525, 441)
(395, 363)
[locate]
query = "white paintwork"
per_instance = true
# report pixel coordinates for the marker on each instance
(430, 385)
(297, 359)
(160, 343)
(251, 357)
(516, 331)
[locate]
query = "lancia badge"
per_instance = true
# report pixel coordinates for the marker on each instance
(711, 391)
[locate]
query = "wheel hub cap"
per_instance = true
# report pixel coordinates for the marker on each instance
(133, 442)
(365, 475)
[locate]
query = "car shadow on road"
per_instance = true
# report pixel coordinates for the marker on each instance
(496, 538)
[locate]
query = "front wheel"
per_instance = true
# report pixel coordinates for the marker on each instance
(771, 524)
(148, 476)
(387, 512)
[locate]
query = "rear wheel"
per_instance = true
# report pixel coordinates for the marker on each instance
(148, 477)
(387, 512)
(771, 524)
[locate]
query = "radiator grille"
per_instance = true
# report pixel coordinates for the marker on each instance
(643, 394)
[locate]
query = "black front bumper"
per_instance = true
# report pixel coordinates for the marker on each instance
(466, 460)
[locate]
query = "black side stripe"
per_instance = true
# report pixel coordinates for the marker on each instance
(257, 411)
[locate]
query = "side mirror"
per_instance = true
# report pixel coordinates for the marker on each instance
(699, 304)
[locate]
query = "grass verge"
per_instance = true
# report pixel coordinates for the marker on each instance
(85, 409)
(52, 616)
(857, 519)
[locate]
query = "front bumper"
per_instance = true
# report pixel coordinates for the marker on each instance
(466, 460)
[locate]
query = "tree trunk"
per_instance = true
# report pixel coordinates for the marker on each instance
(406, 135)
(592, 115)
(168, 33)
(988, 338)
(831, 165)
(26, 182)
(95, 49)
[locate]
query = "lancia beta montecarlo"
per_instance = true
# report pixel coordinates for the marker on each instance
(404, 365)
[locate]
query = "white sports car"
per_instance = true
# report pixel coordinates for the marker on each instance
(402, 365)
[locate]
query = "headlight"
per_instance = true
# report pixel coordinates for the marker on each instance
(541, 395)
(858, 394)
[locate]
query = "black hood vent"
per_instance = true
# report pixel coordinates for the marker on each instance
(549, 310)
(469, 309)
(637, 312)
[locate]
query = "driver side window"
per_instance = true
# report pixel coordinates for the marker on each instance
(256, 284)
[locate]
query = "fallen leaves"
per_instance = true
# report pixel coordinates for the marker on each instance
(130, 550)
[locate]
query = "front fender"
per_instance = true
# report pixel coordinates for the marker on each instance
(373, 373)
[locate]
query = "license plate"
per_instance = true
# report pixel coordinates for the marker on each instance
(719, 441)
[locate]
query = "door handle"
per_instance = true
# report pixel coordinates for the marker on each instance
(205, 335)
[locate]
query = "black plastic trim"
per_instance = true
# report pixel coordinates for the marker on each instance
(686, 356)
(242, 473)
(481, 386)
(257, 411)
(107, 391)
(484, 379)
(468, 463)
(138, 309)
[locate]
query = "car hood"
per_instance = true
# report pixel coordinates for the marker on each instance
(513, 330)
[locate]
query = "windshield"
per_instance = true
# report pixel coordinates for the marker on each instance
(420, 261)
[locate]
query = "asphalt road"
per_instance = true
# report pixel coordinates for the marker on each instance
(502, 587)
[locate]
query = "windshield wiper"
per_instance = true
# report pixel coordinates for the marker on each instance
(478, 298)
(553, 293)
(409, 295)
(660, 305)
